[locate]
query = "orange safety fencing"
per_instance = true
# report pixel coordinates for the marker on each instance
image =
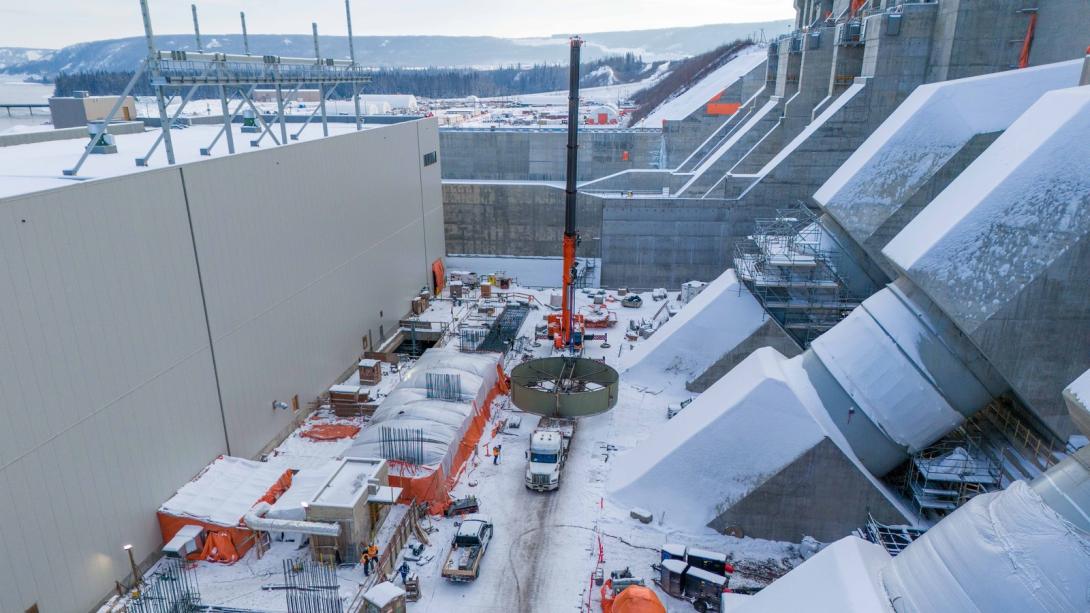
(330, 432)
(433, 488)
(224, 544)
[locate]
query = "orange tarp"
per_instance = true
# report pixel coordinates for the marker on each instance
(722, 108)
(239, 539)
(276, 490)
(439, 275)
(634, 599)
(1027, 43)
(222, 543)
(330, 432)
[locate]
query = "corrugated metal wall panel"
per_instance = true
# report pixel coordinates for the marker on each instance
(107, 394)
(326, 233)
(104, 349)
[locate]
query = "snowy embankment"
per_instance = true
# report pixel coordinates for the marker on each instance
(685, 103)
(709, 327)
(687, 473)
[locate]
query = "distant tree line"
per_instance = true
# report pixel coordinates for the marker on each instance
(425, 82)
(683, 76)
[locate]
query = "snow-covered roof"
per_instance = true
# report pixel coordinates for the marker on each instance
(1003, 551)
(864, 353)
(675, 566)
(305, 485)
(37, 166)
(1079, 392)
(472, 524)
(224, 491)
(348, 482)
(383, 594)
(704, 90)
(704, 575)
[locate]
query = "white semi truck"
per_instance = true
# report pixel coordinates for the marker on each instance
(549, 446)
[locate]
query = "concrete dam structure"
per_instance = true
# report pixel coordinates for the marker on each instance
(972, 318)
(820, 93)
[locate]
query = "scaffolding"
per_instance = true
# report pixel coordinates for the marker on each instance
(235, 77)
(893, 538)
(949, 473)
(793, 270)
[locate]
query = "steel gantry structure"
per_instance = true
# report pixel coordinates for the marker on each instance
(236, 76)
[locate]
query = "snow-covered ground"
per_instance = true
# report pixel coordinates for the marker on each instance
(611, 94)
(546, 545)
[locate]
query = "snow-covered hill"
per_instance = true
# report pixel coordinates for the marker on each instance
(10, 56)
(411, 51)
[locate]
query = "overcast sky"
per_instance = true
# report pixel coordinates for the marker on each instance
(56, 23)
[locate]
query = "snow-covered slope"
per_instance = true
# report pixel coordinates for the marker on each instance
(710, 326)
(718, 449)
(704, 90)
(10, 56)
(842, 578)
(929, 128)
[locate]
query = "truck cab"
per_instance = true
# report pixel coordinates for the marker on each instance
(546, 456)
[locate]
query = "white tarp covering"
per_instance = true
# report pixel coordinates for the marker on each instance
(1006, 551)
(707, 328)
(441, 422)
(224, 491)
(881, 377)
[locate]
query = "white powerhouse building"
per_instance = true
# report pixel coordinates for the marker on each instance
(151, 321)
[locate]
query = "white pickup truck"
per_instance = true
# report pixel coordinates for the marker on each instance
(549, 446)
(467, 548)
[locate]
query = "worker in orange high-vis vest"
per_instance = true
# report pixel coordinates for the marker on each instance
(365, 561)
(372, 553)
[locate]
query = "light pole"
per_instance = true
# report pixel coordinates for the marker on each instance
(132, 565)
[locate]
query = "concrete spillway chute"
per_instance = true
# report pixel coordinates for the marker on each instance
(564, 387)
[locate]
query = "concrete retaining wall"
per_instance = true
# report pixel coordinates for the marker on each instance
(515, 219)
(539, 155)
